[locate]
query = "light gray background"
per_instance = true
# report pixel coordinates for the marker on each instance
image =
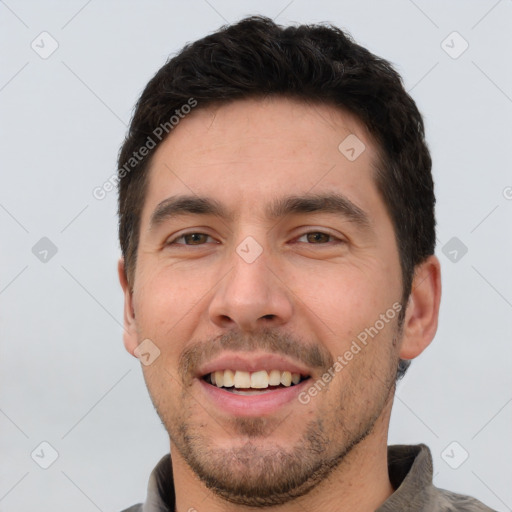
(65, 377)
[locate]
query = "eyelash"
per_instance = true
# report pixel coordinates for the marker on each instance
(174, 241)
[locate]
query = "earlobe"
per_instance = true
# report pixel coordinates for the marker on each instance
(421, 317)
(130, 329)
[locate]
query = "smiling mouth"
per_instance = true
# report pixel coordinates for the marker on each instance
(253, 383)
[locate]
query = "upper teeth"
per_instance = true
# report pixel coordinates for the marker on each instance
(257, 380)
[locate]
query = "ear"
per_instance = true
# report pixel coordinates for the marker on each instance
(130, 328)
(421, 316)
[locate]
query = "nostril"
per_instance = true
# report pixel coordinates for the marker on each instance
(269, 317)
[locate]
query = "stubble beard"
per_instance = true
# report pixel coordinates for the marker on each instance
(259, 474)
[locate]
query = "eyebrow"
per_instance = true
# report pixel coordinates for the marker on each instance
(319, 203)
(176, 206)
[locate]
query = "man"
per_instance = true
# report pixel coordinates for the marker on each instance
(277, 228)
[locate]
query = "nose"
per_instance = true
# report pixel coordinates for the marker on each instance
(251, 296)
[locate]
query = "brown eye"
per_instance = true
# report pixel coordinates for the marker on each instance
(195, 238)
(316, 237)
(190, 239)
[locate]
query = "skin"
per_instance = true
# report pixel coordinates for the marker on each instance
(319, 292)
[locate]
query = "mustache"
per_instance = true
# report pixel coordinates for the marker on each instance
(314, 356)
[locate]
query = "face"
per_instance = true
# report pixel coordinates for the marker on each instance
(266, 254)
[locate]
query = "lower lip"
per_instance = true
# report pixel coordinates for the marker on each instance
(253, 405)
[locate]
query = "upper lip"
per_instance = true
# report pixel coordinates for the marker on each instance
(252, 362)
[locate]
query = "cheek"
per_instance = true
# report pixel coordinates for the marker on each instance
(168, 292)
(162, 301)
(346, 296)
(343, 306)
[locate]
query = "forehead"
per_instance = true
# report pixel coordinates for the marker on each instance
(249, 151)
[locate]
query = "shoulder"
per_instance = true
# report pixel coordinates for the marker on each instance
(410, 470)
(451, 502)
(134, 508)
